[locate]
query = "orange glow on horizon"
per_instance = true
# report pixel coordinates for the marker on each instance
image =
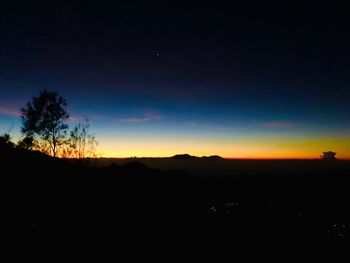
(258, 149)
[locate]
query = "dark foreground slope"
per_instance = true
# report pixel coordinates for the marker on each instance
(52, 203)
(136, 211)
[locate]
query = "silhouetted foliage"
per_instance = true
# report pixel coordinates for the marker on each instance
(328, 156)
(44, 117)
(5, 141)
(27, 143)
(82, 142)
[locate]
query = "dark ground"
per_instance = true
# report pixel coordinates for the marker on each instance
(131, 210)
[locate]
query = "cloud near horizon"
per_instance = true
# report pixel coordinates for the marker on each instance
(9, 111)
(147, 117)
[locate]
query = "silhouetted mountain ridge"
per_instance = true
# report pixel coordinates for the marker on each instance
(191, 157)
(54, 198)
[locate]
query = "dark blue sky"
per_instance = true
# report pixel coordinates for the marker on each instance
(253, 79)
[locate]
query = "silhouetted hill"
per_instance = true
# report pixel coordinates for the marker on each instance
(212, 157)
(191, 157)
(135, 166)
(51, 195)
(275, 214)
(183, 157)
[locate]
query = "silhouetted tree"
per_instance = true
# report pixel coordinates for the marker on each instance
(5, 141)
(328, 156)
(27, 143)
(45, 117)
(82, 142)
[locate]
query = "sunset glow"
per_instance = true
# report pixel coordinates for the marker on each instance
(258, 85)
(273, 149)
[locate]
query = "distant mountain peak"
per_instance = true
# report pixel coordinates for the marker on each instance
(184, 156)
(191, 157)
(213, 157)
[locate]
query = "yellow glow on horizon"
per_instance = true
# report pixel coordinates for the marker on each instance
(256, 149)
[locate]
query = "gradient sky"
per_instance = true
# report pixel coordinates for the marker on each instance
(262, 79)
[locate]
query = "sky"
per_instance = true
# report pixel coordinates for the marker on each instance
(250, 79)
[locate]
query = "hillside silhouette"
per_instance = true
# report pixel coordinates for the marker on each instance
(191, 157)
(277, 215)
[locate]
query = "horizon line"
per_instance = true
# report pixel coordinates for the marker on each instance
(225, 158)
